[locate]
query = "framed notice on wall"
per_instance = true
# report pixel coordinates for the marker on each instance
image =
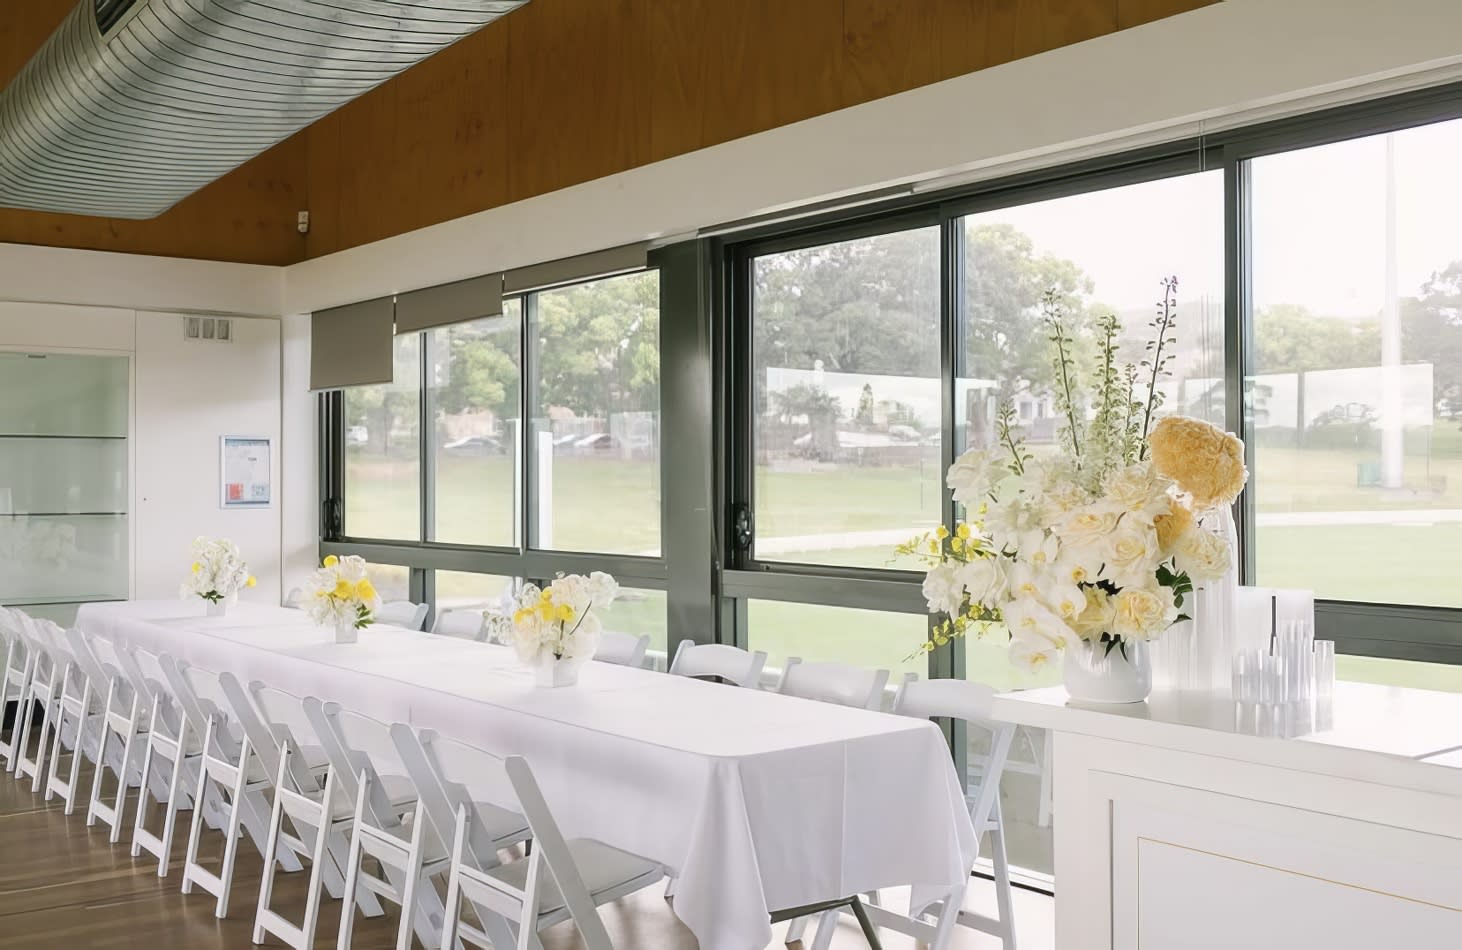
(244, 468)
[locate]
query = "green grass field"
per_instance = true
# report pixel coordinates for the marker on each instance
(613, 506)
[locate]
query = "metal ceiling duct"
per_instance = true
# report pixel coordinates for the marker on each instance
(132, 105)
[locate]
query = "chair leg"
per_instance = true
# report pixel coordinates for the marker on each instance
(1003, 897)
(827, 925)
(129, 751)
(1043, 813)
(317, 866)
(232, 833)
(142, 791)
(866, 924)
(453, 906)
(266, 883)
(347, 902)
(797, 928)
(170, 815)
(195, 825)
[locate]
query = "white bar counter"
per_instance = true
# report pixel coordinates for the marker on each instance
(1189, 823)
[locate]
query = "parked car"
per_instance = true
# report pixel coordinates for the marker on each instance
(598, 442)
(475, 446)
(357, 435)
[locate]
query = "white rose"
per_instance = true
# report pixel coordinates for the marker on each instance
(1007, 521)
(1138, 490)
(1142, 613)
(1132, 555)
(1202, 555)
(943, 590)
(976, 473)
(983, 579)
(1087, 525)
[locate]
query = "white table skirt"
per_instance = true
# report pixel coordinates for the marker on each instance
(757, 802)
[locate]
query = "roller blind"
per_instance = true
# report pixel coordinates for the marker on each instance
(352, 345)
(444, 305)
(570, 270)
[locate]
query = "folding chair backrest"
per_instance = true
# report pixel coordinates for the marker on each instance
(623, 649)
(837, 683)
(402, 613)
(463, 624)
(720, 660)
(449, 776)
(80, 653)
(971, 702)
(356, 744)
(285, 727)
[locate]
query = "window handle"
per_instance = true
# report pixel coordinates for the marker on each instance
(743, 527)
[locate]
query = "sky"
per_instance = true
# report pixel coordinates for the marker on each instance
(1319, 226)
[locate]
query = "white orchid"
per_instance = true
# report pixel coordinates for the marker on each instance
(340, 593)
(943, 589)
(558, 622)
(974, 475)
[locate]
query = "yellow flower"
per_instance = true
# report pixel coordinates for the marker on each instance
(941, 532)
(197, 567)
(1205, 461)
(545, 611)
(343, 588)
(331, 560)
(956, 543)
(963, 531)
(933, 547)
(520, 616)
(364, 589)
(565, 613)
(545, 596)
(252, 581)
(1172, 526)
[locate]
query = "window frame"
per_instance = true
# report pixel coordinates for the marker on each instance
(705, 308)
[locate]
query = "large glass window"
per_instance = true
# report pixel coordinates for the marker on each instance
(638, 611)
(383, 451)
(1355, 395)
(1103, 252)
(845, 370)
(461, 590)
(474, 388)
(872, 638)
(596, 416)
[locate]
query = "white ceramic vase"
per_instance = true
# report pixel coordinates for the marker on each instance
(346, 631)
(215, 608)
(549, 673)
(1093, 675)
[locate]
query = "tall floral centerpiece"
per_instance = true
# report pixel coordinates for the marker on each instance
(555, 629)
(217, 574)
(1093, 548)
(341, 596)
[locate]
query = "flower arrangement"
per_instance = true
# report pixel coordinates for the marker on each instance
(557, 622)
(340, 594)
(1101, 541)
(218, 572)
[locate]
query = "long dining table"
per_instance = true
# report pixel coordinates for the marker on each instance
(754, 801)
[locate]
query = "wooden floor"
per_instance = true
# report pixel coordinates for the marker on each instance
(63, 885)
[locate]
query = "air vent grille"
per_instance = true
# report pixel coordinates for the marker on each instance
(213, 329)
(109, 12)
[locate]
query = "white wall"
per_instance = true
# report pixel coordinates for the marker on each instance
(185, 395)
(1217, 66)
(189, 395)
(300, 487)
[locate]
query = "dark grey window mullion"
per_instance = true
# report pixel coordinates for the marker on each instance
(426, 443)
(1238, 339)
(528, 360)
(949, 661)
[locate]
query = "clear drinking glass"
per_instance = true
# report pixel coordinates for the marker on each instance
(1323, 657)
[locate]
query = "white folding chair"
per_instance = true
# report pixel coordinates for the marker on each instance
(972, 703)
(719, 660)
(369, 769)
(128, 708)
(463, 624)
(561, 880)
(319, 819)
(174, 749)
(837, 683)
(41, 690)
(622, 649)
(295, 598)
(80, 716)
(16, 674)
(403, 613)
(231, 782)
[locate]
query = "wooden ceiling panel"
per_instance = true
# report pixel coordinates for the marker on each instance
(561, 92)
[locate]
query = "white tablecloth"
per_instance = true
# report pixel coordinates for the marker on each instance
(757, 802)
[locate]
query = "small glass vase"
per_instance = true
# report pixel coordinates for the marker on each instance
(215, 608)
(550, 673)
(346, 631)
(1094, 675)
